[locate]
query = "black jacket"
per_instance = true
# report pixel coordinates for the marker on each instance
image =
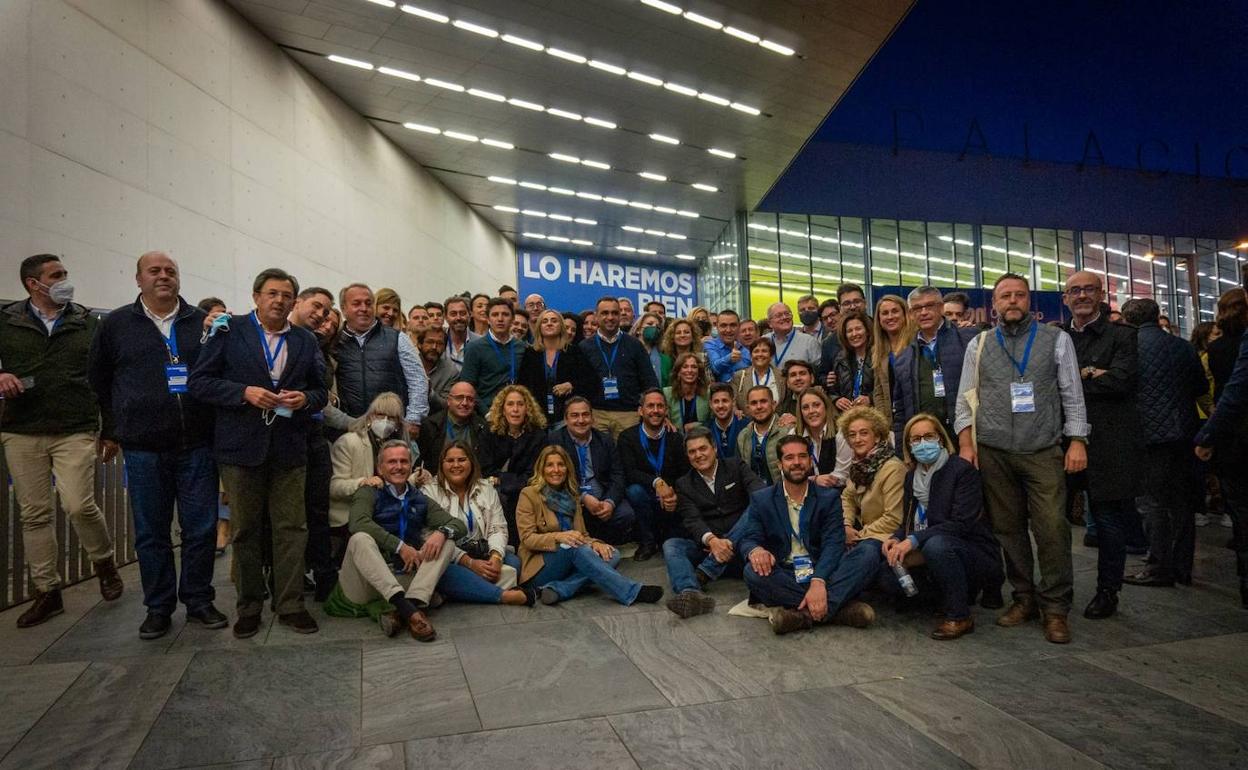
(630, 366)
(827, 357)
(637, 468)
(363, 373)
(955, 508)
(604, 458)
(1171, 379)
(846, 368)
(433, 435)
(702, 511)
(1227, 428)
(572, 367)
(518, 454)
(127, 372)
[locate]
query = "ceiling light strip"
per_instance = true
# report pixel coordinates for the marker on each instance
(718, 26)
(593, 196)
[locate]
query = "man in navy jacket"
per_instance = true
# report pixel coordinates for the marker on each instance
(266, 379)
(927, 379)
(608, 514)
(792, 542)
(138, 369)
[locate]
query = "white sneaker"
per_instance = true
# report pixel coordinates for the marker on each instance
(1202, 519)
(1226, 521)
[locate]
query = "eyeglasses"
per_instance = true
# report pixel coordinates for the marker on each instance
(924, 306)
(462, 399)
(916, 440)
(1089, 291)
(828, 316)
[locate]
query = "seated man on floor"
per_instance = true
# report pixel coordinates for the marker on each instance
(392, 566)
(600, 476)
(710, 501)
(793, 540)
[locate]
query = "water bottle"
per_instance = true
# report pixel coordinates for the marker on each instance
(903, 577)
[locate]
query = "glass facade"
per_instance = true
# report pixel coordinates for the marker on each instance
(786, 256)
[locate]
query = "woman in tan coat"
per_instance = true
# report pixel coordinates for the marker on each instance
(557, 555)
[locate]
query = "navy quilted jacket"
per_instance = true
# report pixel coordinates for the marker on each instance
(1171, 379)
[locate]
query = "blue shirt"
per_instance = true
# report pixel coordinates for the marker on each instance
(719, 354)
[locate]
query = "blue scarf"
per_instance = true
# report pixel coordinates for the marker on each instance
(561, 504)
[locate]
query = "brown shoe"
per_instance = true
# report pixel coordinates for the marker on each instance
(786, 621)
(110, 582)
(854, 614)
(951, 629)
(1021, 610)
(420, 627)
(47, 605)
(1056, 628)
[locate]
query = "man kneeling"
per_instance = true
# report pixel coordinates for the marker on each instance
(389, 557)
(710, 501)
(793, 539)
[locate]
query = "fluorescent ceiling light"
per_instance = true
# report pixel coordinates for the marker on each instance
(665, 210)
(640, 205)
(563, 113)
(523, 43)
(784, 50)
(539, 236)
(349, 62)
(652, 175)
(558, 238)
(561, 217)
(683, 90)
(480, 30)
(632, 228)
(424, 14)
(665, 139)
(532, 213)
(386, 3)
(747, 109)
(740, 33)
(461, 136)
(399, 74)
(508, 209)
(629, 249)
(599, 122)
(713, 99)
(662, 6)
(422, 128)
(607, 67)
(653, 232)
(501, 179)
(582, 242)
(561, 191)
(648, 79)
(499, 144)
(444, 84)
(721, 153)
(674, 236)
(565, 158)
(615, 201)
(647, 251)
(526, 105)
(690, 214)
(533, 185)
(704, 187)
(698, 18)
(559, 53)
(596, 164)
(589, 196)
(687, 257)
(487, 95)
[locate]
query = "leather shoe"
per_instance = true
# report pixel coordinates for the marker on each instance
(645, 552)
(686, 604)
(47, 605)
(1091, 541)
(1022, 610)
(952, 629)
(207, 616)
(246, 626)
(1149, 577)
(1056, 629)
(110, 582)
(300, 622)
(1104, 604)
(786, 621)
(155, 626)
(390, 622)
(420, 628)
(854, 614)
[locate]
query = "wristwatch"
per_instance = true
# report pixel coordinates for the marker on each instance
(450, 533)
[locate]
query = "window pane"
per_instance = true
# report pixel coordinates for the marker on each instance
(884, 266)
(853, 267)
(940, 254)
(964, 255)
(992, 250)
(764, 261)
(912, 253)
(825, 256)
(1048, 277)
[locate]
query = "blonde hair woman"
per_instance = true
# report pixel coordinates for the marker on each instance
(355, 452)
(517, 432)
(892, 334)
(554, 369)
(389, 309)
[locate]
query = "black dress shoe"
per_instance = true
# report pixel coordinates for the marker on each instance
(207, 616)
(47, 605)
(1149, 577)
(155, 626)
(300, 622)
(246, 626)
(1103, 605)
(646, 551)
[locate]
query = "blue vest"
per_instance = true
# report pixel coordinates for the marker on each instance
(388, 509)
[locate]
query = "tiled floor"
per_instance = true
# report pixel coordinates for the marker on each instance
(590, 684)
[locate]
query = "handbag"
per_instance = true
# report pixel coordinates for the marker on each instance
(972, 393)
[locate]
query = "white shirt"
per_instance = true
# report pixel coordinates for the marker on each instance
(270, 341)
(163, 323)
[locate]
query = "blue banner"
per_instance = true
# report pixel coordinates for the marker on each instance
(1045, 305)
(569, 283)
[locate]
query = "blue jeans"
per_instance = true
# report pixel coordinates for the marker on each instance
(618, 529)
(654, 525)
(1111, 535)
(156, 480)
(567, 570)
(956, 567)
(460, 584)
(858, 568)
(680, 554)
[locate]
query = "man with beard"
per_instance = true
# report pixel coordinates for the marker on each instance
(653, 458)
(440, 371)
(458, 333)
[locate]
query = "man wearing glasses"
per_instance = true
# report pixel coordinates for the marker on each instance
(460, 422)
(928, 378)
(791, 344)
(852, 298)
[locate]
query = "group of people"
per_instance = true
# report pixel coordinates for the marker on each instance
(485, 450)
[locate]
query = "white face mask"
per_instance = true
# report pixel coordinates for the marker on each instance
(61, 292)
(382, 427)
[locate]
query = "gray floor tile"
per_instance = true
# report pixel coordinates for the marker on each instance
(413, 690)
(681, 665)
(815, 728)
(101, 719)
(257, 703)
(111, 630)
(1108, 718)
(575, 745)
(26, 693)
(979, 733)
(330, 629)
(385, 757)
(19, 646)
(1207, 673)
(251, 764)
(543, 672)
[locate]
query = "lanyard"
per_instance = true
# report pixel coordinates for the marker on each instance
(721, 438)
(610, 362)
(760, 447)
(171, 342)
(468, 511)
(498, 351)
(931, 352)
(920, 514)
(270, 355)
(550, 369)
(858, 378)
(656, 461)
(792, 336)
(814, 451)
(582, 456)
(1031, 338)
(451, 435)
(801, 523)
(403, 506)
(766, 382)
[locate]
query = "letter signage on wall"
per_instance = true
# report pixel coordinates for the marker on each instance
(569, 283)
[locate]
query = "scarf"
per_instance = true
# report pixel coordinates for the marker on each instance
(561, 504)
(862, 472)
(923, 477)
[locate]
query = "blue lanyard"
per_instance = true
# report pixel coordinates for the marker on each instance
(858, 378)
(610, 362)
(801, 520)
(403, 506)
(931, 352)
(780, 358)
(766, 382)
(171, 342)
(471, 519)
(582, 456)
(550, 369)
(498, 351)
(656, 461)
(1031, 338)
(760, 447)
(270, 356)
(721, 439)
(462, 431)
(920, 513)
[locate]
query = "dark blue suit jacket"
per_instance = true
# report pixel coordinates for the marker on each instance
(602, 456)
(232, 360)
(822, 528)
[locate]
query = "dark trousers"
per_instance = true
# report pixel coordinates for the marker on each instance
(157, 481)
(281, 489)
(858, 568)
(1166, 505)
(654, 525)
(318, 554)
(621, 528)
(1112, 521)
(957, 569)
(1235, 502)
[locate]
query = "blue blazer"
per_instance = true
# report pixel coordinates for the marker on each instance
(232, 360)
(822, 528)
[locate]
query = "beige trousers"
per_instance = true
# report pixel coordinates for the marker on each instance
(615, 422)
(33, 462)
(366, 574)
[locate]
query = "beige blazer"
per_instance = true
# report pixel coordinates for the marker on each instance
(876, 511)
(537, 525)
(743, 380)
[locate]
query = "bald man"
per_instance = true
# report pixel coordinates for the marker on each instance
(1108, 369)
(791, 345)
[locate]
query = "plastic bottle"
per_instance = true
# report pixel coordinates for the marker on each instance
(903, 577)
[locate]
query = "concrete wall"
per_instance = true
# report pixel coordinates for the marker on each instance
(128, 125)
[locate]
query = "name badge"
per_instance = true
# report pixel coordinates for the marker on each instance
(283, 411)
(1022, 397)
(610, 387)
(938, 383)
(564, 546)
(175, 377)
(550, 403)
(803, 569)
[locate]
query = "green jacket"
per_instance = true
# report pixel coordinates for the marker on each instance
(61, 401)
(361, 520)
